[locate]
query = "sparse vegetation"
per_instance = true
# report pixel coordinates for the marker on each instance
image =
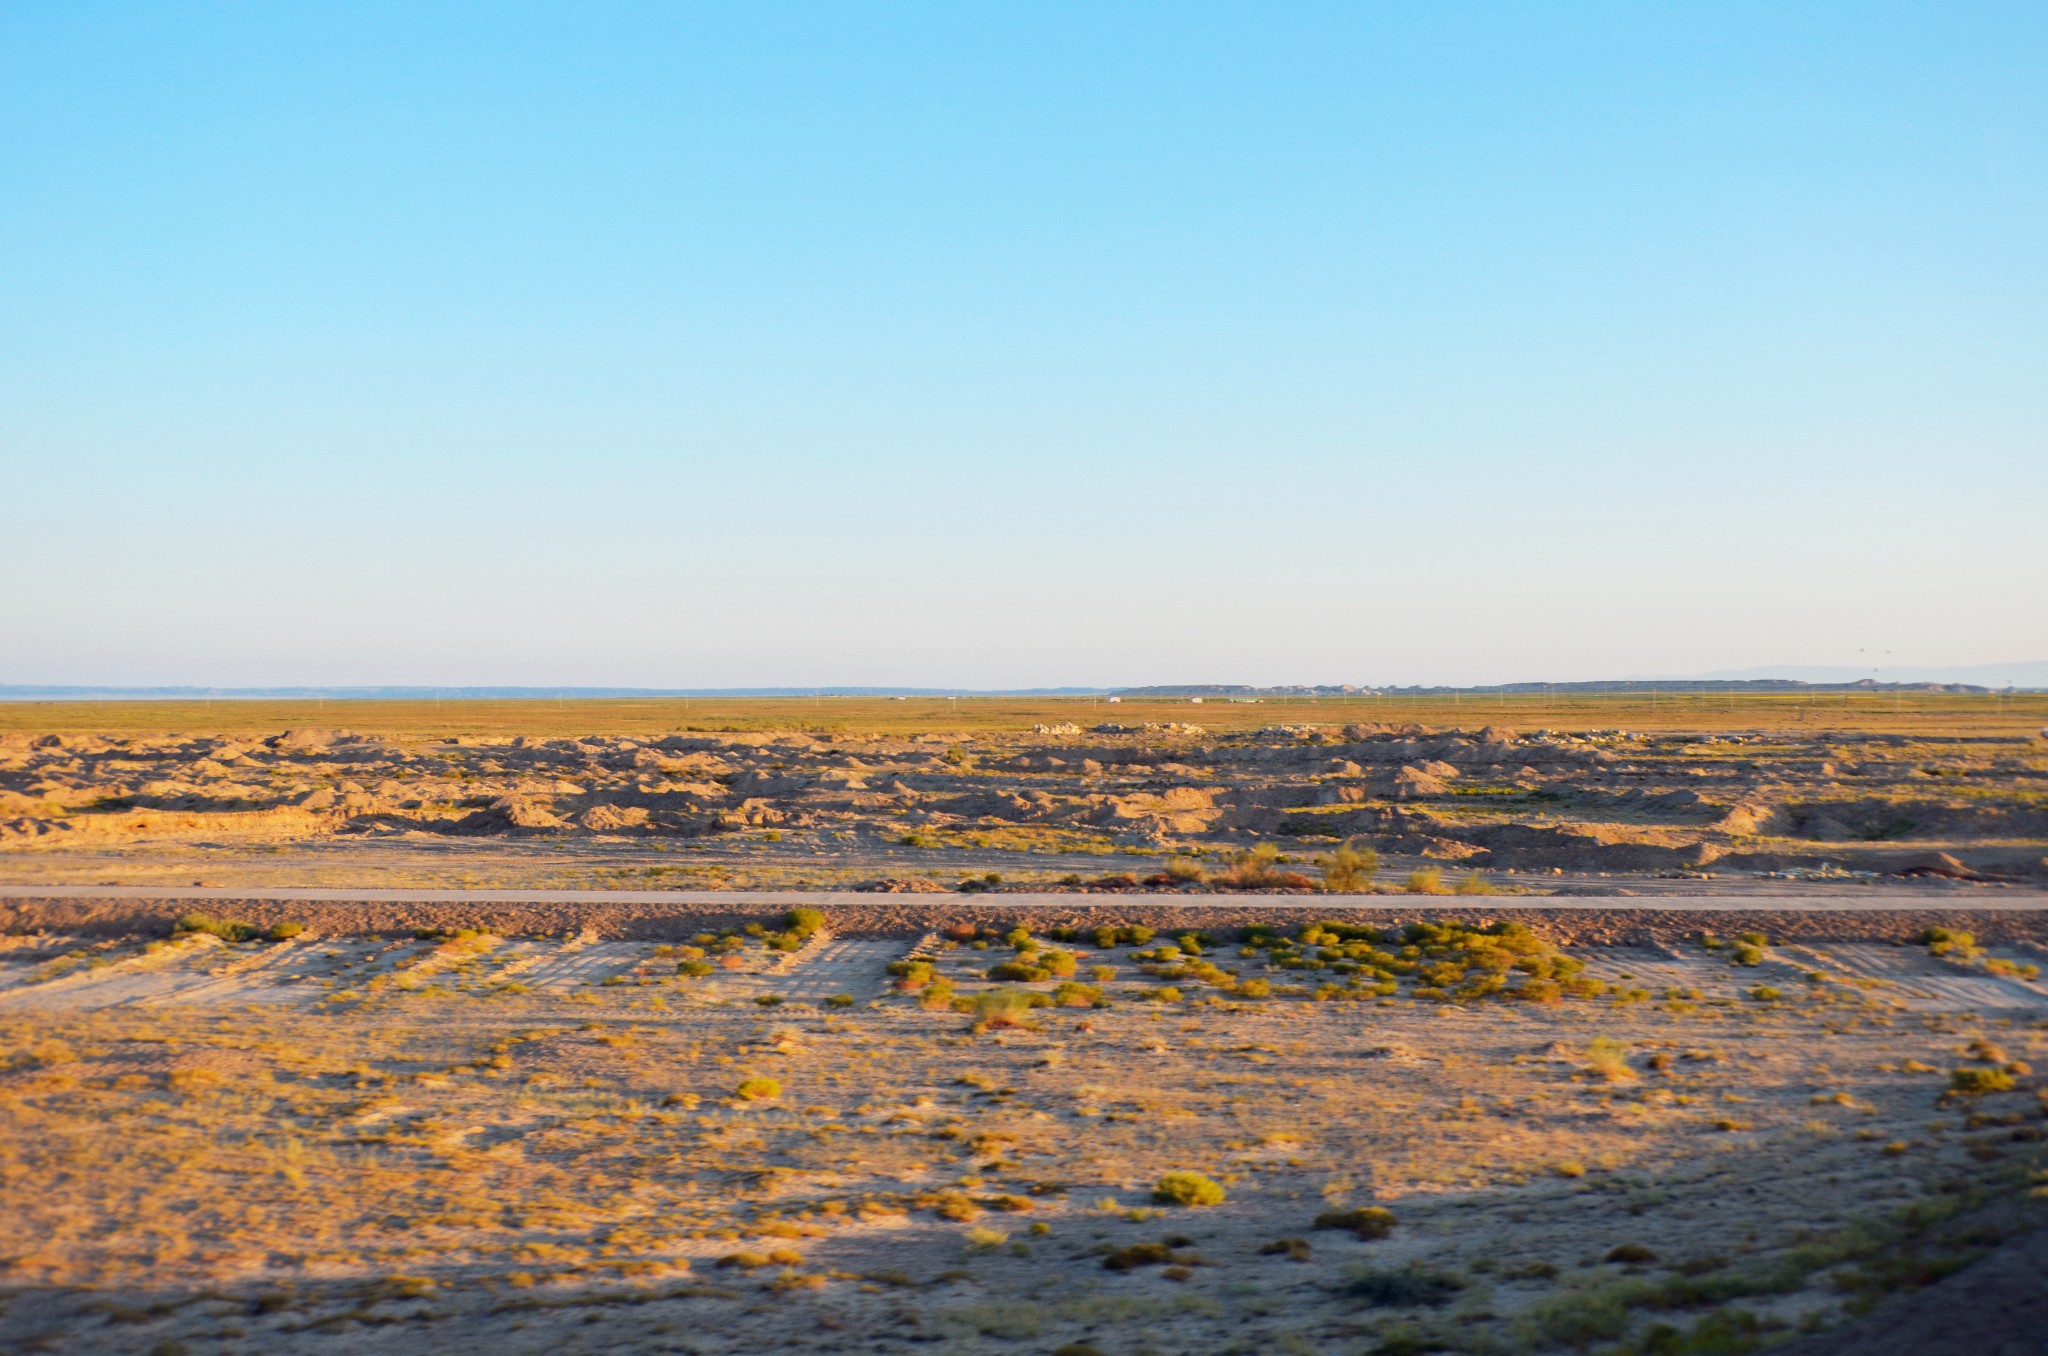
(1350, 869)
(1367, 1222)
(1187, 1188)
(557, 1103)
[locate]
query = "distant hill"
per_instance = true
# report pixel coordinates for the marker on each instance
(2022, 673)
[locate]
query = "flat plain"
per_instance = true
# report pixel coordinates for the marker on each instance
(1240, 1072)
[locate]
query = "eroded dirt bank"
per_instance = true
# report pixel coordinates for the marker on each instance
(897, 916)
(1059, 802)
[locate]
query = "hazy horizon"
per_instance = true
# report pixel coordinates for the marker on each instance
(660, 346)
(2031, 675)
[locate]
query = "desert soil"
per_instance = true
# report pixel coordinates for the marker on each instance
(498, 1038)
(1056, 807)
(348, 1141)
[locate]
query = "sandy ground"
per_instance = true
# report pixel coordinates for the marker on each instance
(348, 1142)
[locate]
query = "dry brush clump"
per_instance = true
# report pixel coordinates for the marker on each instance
(1437, 960)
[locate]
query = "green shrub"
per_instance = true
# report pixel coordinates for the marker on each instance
(1366, 1221)
(1018, 972)
(227, 930)
(695, 967)
(1764, 993)
(803, 922)
(284, 932)
(912, 975)
(1006, 1007)
(1185, 871)
(1976, 1082)
(1186, 1188)
(839, 1000)
(1475, 884)
(1580, 1318)
(1748, 953)
(758, 1089)
(1138, 1255)
(1428, 881)
(1350, 869)
(1076, 995)
(1407, 1288)
(1949, 942)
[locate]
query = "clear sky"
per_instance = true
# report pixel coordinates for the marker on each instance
(1001, 345)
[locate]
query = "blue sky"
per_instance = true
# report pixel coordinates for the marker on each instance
(1012, 345)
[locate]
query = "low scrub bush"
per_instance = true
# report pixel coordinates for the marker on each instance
(1187, 1188)
(1949, 942)
(1366, 1221)
(1184, 871)
(1259, 869)
(1138, 1255)
(1350, 869)
(758, 1089)
(1976, 1082)
(1407, 1288)
(228, 930)
(912, 975)
(1006, 1007)
(803, 922)
(1428, 881)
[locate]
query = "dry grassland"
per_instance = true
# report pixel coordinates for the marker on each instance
(1435, 1139)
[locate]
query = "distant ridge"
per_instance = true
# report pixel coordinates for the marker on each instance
(1238, 692)
(2018, 673)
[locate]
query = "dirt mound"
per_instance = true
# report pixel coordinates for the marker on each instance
(512, 814)
(1934, 864)
(608, 818)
